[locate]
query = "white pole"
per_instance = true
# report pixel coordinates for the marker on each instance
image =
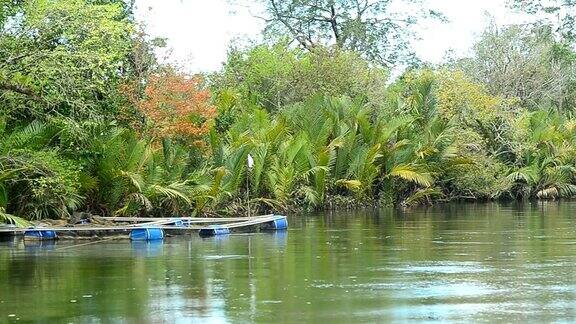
(249, 164)
(248, 190)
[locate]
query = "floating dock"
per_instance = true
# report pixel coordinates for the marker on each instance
(142, 228)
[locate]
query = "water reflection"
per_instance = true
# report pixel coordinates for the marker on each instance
(147, 248)
(447, 267)
(280, 238)
(216, 239)
(447, 263)
(35, 247)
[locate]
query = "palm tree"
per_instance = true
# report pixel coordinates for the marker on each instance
(546, 171)
(35, 181)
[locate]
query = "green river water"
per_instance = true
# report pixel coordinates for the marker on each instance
(451, 263)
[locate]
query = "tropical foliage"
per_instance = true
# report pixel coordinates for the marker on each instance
(91, 122)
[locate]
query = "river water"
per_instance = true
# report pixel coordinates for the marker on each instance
(457, 262)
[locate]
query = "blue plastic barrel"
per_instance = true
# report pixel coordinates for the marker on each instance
(146, 234)
(280, 223)
(213, 231)
(40, 234)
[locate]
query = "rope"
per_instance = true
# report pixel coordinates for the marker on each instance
(83, 244)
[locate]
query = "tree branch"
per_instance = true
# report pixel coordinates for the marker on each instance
(20, 90)
(298, 36)
(334, 26)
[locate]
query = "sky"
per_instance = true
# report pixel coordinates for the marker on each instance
(199, 32)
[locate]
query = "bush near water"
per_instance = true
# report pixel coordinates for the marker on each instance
(90, 121)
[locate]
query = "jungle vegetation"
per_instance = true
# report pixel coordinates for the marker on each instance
(90, 121)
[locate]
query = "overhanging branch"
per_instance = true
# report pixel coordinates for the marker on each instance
(20, 90)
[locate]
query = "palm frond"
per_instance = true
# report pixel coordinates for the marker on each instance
(352, 185)
(411, 174)
(175, 191)
(11, 219)
(423, 195)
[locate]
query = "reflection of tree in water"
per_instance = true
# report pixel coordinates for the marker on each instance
(346, 263)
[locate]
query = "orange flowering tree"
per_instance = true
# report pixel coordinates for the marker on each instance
(177, 105)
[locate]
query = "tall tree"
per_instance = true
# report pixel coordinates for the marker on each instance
(524, 63)
(175, 104)
(62, 57)
(561, 14)
(378, 29)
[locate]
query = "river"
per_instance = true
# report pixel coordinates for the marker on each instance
(455, 262)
